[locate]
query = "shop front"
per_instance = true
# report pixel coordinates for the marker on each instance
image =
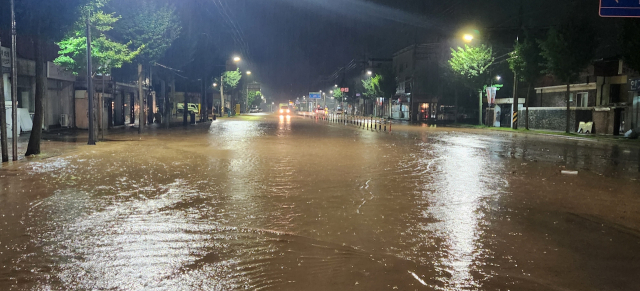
(427, 111)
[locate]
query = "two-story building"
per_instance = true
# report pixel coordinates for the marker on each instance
(419, 81)
(605, 94)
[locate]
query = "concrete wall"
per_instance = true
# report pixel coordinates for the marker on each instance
(554, 118)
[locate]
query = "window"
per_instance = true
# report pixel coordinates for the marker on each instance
(583, 99)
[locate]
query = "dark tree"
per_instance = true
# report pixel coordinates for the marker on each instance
(45, 21)
(526, 61)
(630, 41)
(567, 51)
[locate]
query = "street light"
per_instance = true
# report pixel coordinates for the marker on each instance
(369, 73)
(467, 37)
(236, 59)
(498, 78)
(215, 84)
(336, 85)
(248, 72)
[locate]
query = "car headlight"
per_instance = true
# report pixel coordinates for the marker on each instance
(288, 110)
(281, 111)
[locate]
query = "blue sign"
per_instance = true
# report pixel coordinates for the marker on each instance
(314, 95)
(619, 8)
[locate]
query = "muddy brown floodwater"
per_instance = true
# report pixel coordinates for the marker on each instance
(296, 204)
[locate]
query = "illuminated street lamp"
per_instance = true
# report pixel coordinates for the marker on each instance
(467, 37)
(215, 84)
(236, 59)
(248, 72)
(369, 73)
(498, 78)
(336, 85)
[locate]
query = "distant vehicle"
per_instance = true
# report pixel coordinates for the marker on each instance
(192, 107)
(254, 109)
(339, 111)
(319, 110)
(284, 109)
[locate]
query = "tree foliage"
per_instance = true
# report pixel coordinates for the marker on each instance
(105, 52)
(231, 80)
(371, 86)
(630, 40)
(472, 64)
(337, 94)
(526, 61)
(568, 49)
(148, 24)
(255, 98)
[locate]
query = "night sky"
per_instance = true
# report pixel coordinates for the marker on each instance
(291, 43)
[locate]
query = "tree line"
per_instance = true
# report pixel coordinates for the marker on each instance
(563, 52)
(122, 32)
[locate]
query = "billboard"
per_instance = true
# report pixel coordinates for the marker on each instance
(315, 95)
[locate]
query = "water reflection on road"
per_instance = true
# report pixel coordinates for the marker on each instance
(281, 202)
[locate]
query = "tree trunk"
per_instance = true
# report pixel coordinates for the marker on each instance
(480, 107)
(568, 108)
(140, 100)
(526, 101)
(455, 97)
(36, 132)
(3, 124)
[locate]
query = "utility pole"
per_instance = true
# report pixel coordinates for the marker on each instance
(3, 121)
(203, 105)
(222, 95)
(514, 105)
(141, 100)
(173, 96)
(14, 86)
(92, 132)
(185, 106)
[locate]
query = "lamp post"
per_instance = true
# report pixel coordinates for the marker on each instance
(246, 102)
(14, 86)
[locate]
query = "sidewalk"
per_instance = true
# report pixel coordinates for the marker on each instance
(620, 139)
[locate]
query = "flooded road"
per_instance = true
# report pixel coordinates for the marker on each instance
(269, 203)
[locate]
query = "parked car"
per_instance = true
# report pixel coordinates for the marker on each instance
(254, 109)
(339, 111)
(192, 107)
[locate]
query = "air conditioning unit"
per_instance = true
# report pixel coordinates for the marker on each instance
(64, 120)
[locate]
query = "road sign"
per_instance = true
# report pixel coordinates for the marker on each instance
(314, 95)
(620, 8)
(634, 84)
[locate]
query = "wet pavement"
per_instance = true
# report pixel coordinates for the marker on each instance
(273, 203)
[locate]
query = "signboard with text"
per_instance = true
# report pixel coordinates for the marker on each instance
(314, 95)
(620, 8)
(5, 59)
(634, 84)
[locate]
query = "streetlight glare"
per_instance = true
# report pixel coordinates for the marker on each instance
(236, 59)
(215, 84)
(336, 85)
(248, 72)
(498, 78)
(467, 37)
(369, 73)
